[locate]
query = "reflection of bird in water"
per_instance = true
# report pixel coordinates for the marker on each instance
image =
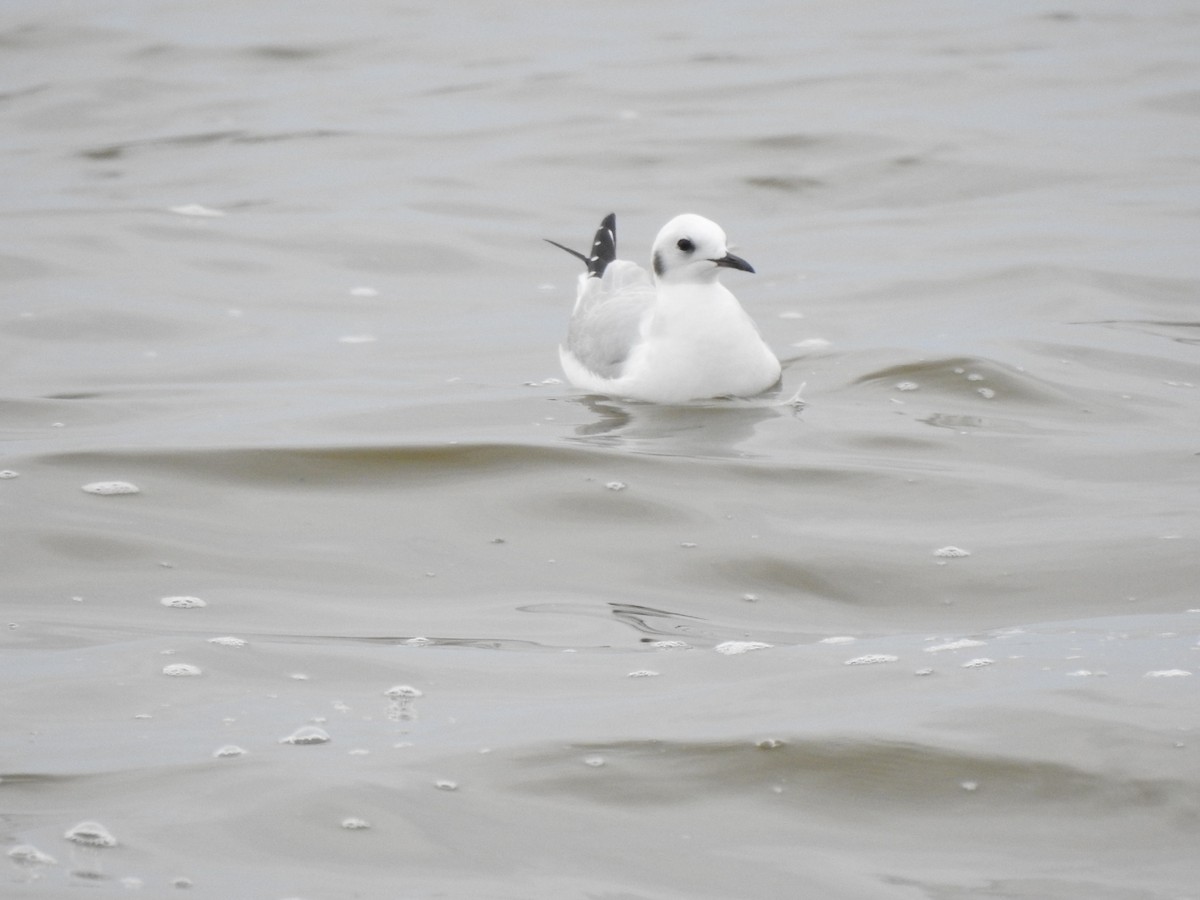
(677, 336)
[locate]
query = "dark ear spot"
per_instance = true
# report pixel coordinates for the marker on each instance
(658, 264)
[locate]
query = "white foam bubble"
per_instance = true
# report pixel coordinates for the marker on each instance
(307, 734)
(871, 659)
(90, 834)
(29, 855)
(353, 823)
(403, 692)
(111, 488)
(228, 641)
(643, 673)
(183, 602)
(733, 648)
(181, 670)
(956, 645)
(978, 663)
(1168, 673)
(951, 552)
(228, 751)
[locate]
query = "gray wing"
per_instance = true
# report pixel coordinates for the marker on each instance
(606, 322)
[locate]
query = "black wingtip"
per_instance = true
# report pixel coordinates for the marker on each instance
(604, 246)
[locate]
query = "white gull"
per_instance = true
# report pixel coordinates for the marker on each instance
(676, 336)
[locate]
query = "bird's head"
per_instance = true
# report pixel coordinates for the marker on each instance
(691, 248)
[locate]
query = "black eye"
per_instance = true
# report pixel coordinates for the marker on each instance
(685, 245)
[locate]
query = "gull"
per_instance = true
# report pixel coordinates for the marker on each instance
(676, 336)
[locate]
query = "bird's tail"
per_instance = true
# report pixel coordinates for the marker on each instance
(604, 247)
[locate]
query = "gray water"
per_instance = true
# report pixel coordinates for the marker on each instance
(928, 634)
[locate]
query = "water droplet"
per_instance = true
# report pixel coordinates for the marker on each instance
(355, 824)
(871, 659)
(228, 751)
(6, 474)
(594, 761)
(642, 673)
(969, 785)
(183, 602)
(733, 648)
(978, 663)
(687, 545)
(111, 488)
(750, 598)
(91, 834)
(986, 393)
(446, 785)
(907, 386)
(181, 670)
(923, 672)
(307, 734)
